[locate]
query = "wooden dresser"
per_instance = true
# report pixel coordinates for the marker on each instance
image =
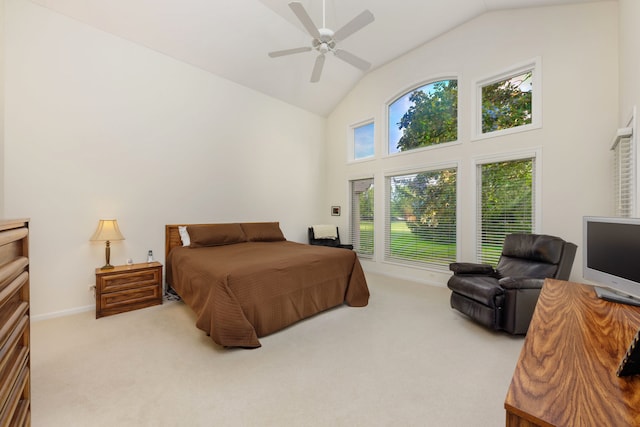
(15, 385)
(566, 374)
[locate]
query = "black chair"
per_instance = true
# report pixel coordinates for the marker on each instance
(332, 242)
(504, 298)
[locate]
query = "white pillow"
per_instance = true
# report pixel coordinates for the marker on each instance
(184, 235)
(325, 231)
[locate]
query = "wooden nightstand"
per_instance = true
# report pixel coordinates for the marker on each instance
(128, 287)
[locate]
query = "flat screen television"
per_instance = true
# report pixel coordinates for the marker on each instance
(611, 257)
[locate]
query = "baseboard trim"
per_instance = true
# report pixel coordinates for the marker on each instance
(408, 273)
(62, 313)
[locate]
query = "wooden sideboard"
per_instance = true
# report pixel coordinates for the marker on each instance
(566, 373)
(15, 382)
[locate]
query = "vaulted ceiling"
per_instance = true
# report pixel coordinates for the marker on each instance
(231, 38)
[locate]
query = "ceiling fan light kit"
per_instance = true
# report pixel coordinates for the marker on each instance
(325, 40)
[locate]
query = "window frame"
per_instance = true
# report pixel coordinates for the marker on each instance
(536, 154)
(388, 174)
(407, 90)
(351, 138)
(535, 66)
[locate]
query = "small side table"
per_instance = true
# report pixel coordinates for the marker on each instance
(128, 287)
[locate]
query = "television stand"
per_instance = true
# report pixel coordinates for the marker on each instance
(566, 373)
(613, 296)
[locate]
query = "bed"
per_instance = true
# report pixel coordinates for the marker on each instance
(245, 280)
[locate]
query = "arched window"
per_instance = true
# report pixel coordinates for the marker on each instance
(423, 117)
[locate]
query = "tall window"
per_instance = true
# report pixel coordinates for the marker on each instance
(363, 142)
(505, 204)
(509, 102)
(421, 226)
(362, 216)
(424, 116)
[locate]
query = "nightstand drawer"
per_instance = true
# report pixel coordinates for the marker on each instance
(130, 280)
(130, 297)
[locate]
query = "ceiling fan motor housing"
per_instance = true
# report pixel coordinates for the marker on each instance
(325, 43)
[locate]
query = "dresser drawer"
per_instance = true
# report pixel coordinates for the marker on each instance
(15, 360)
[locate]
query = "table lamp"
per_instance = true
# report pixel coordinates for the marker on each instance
(107, 231)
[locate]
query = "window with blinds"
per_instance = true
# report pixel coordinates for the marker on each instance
(506, 200)
(362, 216)
(624, 181)
(421, 225)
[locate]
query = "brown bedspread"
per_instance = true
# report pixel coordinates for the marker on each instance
(243, 291)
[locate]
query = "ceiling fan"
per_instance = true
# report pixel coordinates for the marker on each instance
(325, 40)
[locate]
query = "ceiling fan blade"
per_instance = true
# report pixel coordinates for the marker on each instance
(352, 59)
(289, 51)
(317, 69)
(305, 19)
(362, 20)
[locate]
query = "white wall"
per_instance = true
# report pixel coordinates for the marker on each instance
(629, 57)
(97, 126)
(1, 108)
(630, 73)
(579, 51)
(100, 127)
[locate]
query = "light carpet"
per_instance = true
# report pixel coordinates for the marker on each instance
(406, 359)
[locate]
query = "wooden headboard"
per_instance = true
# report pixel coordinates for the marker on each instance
(172, 237)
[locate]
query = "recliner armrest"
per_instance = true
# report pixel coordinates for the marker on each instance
(471, 268)
(521, 283)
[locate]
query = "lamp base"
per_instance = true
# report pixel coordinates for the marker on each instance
(107, 257)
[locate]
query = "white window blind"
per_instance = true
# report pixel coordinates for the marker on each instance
(420, 228)
(624, 181)
(362, 216)
(506, 201)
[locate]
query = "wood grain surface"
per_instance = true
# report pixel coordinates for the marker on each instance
(566, 374)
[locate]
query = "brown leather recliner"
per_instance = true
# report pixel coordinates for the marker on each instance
(504, 298)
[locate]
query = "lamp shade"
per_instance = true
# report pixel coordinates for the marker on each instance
(107, 230)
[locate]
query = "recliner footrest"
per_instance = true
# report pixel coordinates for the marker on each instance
(487, 316)
(482, 289)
